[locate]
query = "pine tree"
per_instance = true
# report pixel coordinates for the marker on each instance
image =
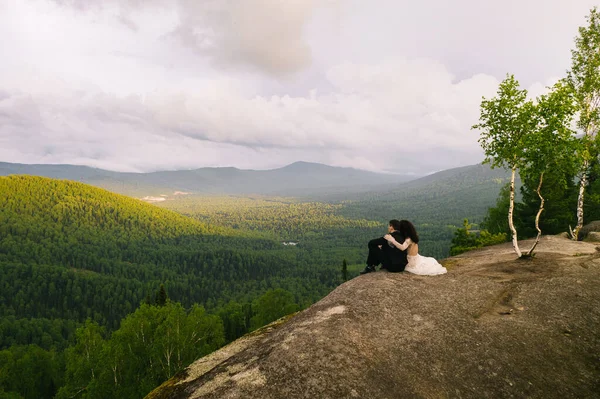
(495, 221)
(148, 300)
(161, 296)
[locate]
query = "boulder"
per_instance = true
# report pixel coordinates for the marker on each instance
(593, 236)
(588, 228)
(493, 327)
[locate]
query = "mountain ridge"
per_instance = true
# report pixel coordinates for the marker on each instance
(296, 178)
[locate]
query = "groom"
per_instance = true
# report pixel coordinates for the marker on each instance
(381, 252)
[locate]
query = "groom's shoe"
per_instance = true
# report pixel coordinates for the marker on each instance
(368, 269)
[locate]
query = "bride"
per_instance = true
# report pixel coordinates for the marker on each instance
(417, 264)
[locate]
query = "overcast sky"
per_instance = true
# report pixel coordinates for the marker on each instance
(382, 85)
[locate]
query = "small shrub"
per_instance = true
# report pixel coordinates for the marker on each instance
(464, 240)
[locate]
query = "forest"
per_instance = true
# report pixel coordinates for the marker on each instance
(72, 254)
(81, 267)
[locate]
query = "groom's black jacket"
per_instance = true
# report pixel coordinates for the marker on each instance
(391, 257)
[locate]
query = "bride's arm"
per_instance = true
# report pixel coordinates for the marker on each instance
(401, 247)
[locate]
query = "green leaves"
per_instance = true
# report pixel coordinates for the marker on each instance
(271, 306)
(29, 372)
(531, 137)
(152, 344)
(552, 142)
(584, 79)
(505, 120)
(464, 240)
(584, 75)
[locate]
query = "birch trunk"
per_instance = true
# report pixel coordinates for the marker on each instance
(88, 356)
(510, 212)
(591, 105)
(537, 217)
(114, 370)
(582, 185)
(167, 353)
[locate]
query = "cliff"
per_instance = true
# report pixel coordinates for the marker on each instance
(494, 326)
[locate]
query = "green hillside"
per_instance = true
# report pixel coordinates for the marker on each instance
(443, 197)
(69, 251)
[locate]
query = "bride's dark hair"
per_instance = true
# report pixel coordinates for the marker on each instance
(408, 231)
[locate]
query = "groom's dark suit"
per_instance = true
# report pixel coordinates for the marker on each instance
(390, 257)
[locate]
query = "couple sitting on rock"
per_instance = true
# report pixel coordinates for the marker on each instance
(399, 251)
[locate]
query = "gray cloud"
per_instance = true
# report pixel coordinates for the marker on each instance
(266, 35)
(379, 118)
(530, 38)
(140, 86)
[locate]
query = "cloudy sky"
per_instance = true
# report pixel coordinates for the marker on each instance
(383, 85)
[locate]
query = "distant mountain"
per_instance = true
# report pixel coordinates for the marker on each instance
(300, 178)
(437, 200)
(450, 181)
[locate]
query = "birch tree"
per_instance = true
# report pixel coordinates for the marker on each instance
(551, 145)
(83, 360)
(584, 79)
(504, 123)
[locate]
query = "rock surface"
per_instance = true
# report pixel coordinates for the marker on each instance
(593, 236)
(494, 326)
(592, 227)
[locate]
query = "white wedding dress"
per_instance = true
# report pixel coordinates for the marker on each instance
(424, 266)
(418, 264)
